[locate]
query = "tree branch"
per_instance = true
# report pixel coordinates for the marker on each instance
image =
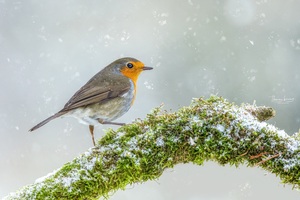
(211, 129)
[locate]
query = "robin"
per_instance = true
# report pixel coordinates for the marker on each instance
(105, 97)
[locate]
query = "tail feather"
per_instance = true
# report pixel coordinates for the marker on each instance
(42, 123)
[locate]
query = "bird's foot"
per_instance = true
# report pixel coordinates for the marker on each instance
(112, 123)
(92, 133)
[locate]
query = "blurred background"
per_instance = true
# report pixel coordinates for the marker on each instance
(244, 50)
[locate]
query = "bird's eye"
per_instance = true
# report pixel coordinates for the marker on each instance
(129, 65)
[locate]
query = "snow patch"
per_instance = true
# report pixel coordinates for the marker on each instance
(119, 135)
(191, 141)
(68, 181)
(41, 179)
(89, 165)
(282, 134)
(293, 144)
(220, 128)
(160, 142)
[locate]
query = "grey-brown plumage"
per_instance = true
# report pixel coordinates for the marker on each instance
(101, 87)
(106, 96)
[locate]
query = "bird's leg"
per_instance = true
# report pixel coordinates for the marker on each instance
(91, 127)
(101, 121)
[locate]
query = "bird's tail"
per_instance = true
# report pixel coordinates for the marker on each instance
(47, 120)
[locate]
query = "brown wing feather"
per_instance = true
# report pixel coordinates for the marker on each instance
(99, 88)
(91, 93)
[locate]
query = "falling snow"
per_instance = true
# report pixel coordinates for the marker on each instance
(242, 50)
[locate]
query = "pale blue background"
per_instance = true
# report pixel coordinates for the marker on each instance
(244, 50)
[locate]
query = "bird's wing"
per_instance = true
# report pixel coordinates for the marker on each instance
(90, 94)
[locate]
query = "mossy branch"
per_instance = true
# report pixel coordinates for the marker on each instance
(211, 129)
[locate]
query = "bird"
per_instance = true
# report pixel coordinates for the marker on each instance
(108, 95)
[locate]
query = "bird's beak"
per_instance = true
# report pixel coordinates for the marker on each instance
(147, 68)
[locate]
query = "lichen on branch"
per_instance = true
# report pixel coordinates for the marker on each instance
(211, 129)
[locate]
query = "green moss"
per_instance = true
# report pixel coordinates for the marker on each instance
(211, 129)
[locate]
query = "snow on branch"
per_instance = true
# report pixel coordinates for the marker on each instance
(211, 129)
